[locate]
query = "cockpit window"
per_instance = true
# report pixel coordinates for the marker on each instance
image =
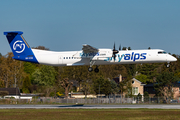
(162, 52)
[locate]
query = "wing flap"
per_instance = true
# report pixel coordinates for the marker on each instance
(89, 49)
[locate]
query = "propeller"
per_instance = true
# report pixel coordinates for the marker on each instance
(120, 47)
(115, 51)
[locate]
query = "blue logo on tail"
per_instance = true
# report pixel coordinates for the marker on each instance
(19, 46)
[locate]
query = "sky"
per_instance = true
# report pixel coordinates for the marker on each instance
(65, 25)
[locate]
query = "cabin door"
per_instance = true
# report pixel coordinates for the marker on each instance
(60, 59)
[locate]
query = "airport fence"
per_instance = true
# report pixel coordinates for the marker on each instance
(105, 100)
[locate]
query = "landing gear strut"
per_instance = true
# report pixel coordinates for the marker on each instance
(90, 69)
(168, 64)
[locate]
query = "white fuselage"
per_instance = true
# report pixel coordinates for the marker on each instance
(103, 57)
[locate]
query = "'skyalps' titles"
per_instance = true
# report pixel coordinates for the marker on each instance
(89, 54)
(133, 56)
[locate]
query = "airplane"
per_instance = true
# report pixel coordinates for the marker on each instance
(87, 56)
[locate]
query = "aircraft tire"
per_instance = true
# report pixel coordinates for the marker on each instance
(96, 70)
(90, 69)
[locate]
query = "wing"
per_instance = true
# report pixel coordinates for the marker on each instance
(89, 49)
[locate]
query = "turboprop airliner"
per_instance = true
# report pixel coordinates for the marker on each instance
(87, 56)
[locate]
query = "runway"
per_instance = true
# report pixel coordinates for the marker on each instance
(88, 106)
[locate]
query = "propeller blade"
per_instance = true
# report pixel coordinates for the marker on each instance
(114, 52)
(120, 47)
(114, 46)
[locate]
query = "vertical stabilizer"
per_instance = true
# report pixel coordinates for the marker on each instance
(19, 47)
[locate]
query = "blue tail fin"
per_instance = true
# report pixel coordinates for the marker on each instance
(19, 46)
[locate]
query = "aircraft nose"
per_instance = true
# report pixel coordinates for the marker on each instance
(172, 59)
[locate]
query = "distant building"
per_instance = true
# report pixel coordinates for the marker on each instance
(81, 95)
(119, 79)
(151, 91)
(15, 93)
(137, 86)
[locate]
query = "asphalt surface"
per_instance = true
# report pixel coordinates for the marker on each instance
(88, 106)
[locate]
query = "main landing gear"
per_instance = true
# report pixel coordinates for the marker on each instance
(90, 69)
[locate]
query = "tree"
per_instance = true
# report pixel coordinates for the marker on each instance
(125, 87)
(67, 85)
(114, 87)
(26, 85)
(44, 76)
(139, 96)
(11, 71)
(0, 56)
(102, 85)
(41, 48)
(150, 70)
(164, 85)
(131, 69)
(124, 48)
(48, 75)
(29, 67)
(36, 77)
(129, 48)
(111, 71)
(142, 78)
(80, 74)
(86, 87)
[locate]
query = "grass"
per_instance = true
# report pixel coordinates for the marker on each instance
(88, 114)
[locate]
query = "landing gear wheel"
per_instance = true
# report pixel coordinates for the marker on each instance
(90, 69)
(168, 64)
(96, 70)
